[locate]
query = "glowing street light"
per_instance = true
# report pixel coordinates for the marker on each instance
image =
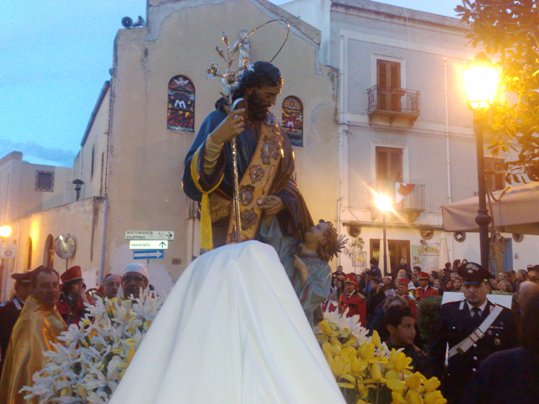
(481, 84)
(384, 204)
(481, 80)
(6, 231)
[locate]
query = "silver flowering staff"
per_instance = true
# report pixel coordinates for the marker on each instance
(229, 80)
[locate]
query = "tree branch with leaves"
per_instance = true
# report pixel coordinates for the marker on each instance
(508, 31)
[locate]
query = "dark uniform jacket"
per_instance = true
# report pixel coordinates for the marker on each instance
(454, 325)
(419, 358)
(510, 376)
(9, 313)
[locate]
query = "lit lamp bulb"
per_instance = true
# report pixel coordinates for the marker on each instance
(481, 84)
(383, 202)
(5, 231)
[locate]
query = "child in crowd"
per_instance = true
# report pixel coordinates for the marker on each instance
(400, 325)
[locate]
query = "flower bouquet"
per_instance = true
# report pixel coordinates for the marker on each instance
(90, 360)
(366, 370)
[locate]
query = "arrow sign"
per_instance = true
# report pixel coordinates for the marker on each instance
(148, 254)
(148, 244)
(149, 235)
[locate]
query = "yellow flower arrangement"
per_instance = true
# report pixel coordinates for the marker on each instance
(367, 371)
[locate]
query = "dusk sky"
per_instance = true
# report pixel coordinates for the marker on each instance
(55, 56)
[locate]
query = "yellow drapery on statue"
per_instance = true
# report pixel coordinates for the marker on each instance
(34, 332)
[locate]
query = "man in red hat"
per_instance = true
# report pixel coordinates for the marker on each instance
(9, 313)
(404, 292)
(71, 304)
(425, 290)
(352, 300)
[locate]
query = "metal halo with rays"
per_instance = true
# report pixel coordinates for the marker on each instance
(229, 79)
(229, 76)
(339, 246)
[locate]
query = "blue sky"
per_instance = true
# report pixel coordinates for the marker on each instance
(55, 56)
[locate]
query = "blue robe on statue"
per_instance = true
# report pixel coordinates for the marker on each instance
(294, 219)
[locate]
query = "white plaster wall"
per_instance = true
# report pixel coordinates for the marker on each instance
(316, 13)
(96, 141)
(82, 220)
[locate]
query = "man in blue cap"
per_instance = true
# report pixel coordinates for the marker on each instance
(473, 328)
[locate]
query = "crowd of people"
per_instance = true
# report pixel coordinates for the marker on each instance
(44, 304)
(460, 334)
(461, 349)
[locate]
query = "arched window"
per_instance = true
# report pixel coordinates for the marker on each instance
(29, 253)
(48, 253)
(293, 120)
(181, 104)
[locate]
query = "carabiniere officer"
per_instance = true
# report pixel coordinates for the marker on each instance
(473, 328)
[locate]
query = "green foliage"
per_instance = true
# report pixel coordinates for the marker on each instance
(508, 30)
(427, 316)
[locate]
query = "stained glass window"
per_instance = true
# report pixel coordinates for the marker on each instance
(292, 122)
(181, 104)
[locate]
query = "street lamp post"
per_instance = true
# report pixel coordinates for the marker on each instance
(384, 204)
(481, 84)
(384, 227)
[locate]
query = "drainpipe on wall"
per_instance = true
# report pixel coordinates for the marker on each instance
(342, 199)
(447, 145)
(105, 184)
(103, 240)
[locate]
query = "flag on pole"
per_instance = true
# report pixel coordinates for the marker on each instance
(402, 190)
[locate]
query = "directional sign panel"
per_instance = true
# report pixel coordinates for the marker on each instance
(148, 254)
(148, 244)
(149, 235)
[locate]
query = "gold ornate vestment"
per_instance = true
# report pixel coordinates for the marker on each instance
(34, 332)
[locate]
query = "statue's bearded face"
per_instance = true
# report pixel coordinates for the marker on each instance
(260, 100)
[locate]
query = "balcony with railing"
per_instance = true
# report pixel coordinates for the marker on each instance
(408, 199)
(393, 106)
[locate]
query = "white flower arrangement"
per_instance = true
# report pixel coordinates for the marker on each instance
(90, 360)
(349, 328)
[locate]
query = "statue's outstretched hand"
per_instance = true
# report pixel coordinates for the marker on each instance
(271, 205)
(229, 128)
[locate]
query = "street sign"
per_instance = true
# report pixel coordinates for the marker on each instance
(149, 235)
(148, 254)
(148, 244)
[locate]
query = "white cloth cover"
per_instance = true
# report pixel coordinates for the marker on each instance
(231, 331)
